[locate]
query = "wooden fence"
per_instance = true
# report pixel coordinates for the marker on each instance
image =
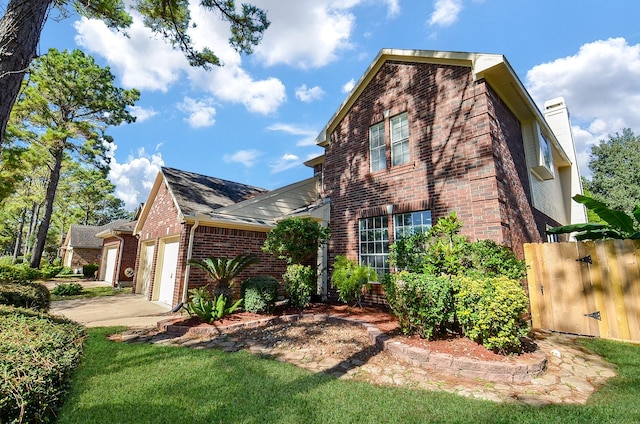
(589, 288)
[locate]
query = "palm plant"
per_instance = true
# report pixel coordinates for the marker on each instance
(618, 225)
(223, 270)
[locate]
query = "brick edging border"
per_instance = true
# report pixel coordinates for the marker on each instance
(518, 371)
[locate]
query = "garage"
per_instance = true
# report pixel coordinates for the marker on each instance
(146, 264)
(167, 277)
(109, 261)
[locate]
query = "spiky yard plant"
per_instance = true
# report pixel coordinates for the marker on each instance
(223, 270)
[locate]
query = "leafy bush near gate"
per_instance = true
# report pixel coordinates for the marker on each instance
(490, 311)
(488, 258)
(423, 303)
(299, 282)
(39, 353)
(27, 295)
(89, 270)
(349, 277)
(260, 294)
(67, 289)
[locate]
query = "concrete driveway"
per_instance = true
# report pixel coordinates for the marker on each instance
(130, 310)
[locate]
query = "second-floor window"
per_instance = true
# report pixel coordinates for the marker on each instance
(377, 147)
(400, 139)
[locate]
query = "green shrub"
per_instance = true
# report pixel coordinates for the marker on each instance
(488, 258)
(349, 277)
(207, 306)
(65, 271)
(28, 295)
(423, 303)
(67, 289)
(50, 271)
(260, 294)
(89, 270)
(18, 273)
(39, 353)
(299, 283)
(490, 311)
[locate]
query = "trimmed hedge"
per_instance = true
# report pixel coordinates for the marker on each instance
(89, 270)
(39, 353)
(260, 294)
(299, 282)
(27, 295)
(18, 273)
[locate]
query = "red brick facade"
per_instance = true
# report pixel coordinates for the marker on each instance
(129, 245)
(466, 151)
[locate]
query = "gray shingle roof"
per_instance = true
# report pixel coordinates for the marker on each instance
(196, 193)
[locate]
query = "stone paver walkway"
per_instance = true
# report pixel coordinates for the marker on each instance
(572, 374)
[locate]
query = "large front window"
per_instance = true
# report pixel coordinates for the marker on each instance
(377, 148)
(400, 139)
(374, 243)
(374, 236)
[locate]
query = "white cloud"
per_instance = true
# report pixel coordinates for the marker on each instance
(140, 60)
(287, 161)
(306, 33)
(348, 86)
(247, 158)
(201, 112)
(134, 178)
(142, 114)
(309, 135)
(308, 95)
(446, 13)
(601, 87)
(393, 8)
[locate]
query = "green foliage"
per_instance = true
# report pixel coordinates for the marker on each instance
(423, 303)
(618, 225)
(207, 306)
(299, 282)
(39, 353)
(27, 295)
(490, 311)
(18, 273)
(488, 258)
(67, 289)
(615, 171)
(260, 294)
(89, 270)
(349, 277)
(223, 270)
(50, 271)
(296, 239)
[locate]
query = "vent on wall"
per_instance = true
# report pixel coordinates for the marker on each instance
(544, 168)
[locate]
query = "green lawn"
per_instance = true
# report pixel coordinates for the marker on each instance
(143, 383)
(88, 292)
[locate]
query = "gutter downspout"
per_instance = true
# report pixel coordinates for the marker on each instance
(188, 268)
(120, 249)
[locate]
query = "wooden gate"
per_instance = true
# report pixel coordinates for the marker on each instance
(589, 288)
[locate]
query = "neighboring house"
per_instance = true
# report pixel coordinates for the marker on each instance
(81, 247)
(119, 250)
(426, 133)
(189, 215)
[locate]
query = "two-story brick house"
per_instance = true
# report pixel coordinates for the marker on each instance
(426, 133)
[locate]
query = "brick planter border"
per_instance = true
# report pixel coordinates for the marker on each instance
(516, 371)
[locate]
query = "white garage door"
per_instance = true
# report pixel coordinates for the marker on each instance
(110, 264)
(168, 274)
(144, 274)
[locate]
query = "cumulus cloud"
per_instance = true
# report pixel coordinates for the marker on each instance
(287, 161)
(306, 33)
(393, 8)
(142, 114)
(308, 135)
(445, 13)
(308, 95)
(601, 87)
(348, 86)
(201, 113)
(134, 178)
(247, 158)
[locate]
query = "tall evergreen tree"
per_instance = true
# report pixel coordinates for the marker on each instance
(70, 101)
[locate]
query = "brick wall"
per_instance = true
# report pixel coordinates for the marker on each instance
(128, 259)
(466, 156)
(83, 256)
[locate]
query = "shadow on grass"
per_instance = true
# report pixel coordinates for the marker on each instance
(144, 383)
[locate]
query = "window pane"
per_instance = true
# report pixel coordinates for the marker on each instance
(377, 148)
(374, 251)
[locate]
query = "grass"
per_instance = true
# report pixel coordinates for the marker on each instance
(144, 383)
(88, 292)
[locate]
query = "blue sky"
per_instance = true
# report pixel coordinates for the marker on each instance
(254, 120)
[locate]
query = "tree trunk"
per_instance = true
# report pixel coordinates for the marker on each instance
(16, 248)
(52, 187)
(33, 223)
(20, 29)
